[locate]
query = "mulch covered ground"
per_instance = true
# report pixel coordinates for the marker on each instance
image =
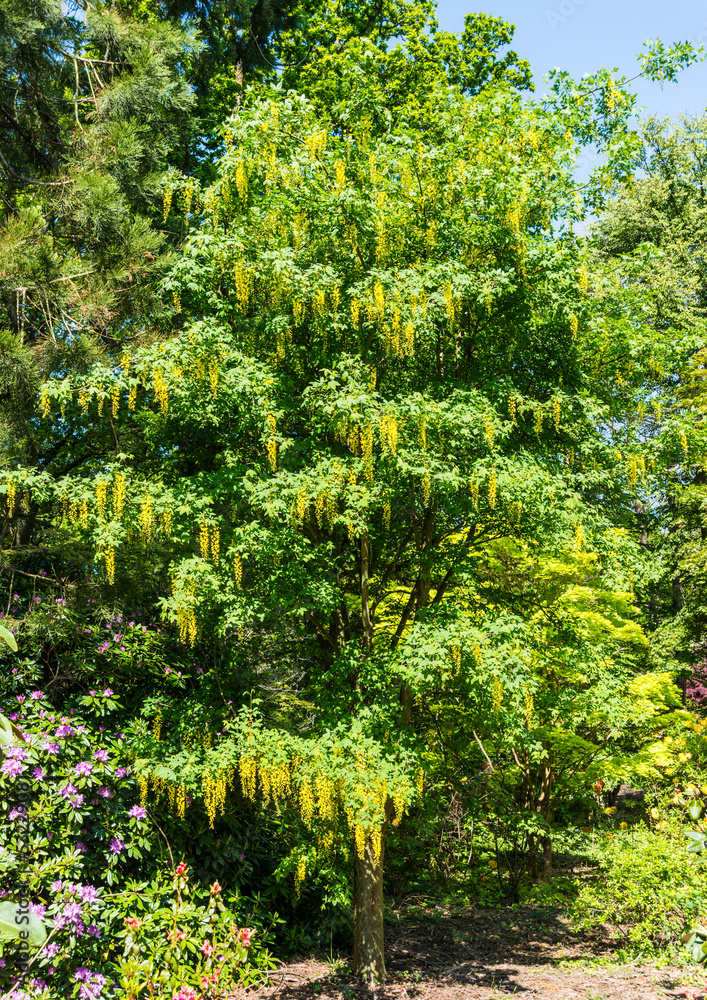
(488, 953)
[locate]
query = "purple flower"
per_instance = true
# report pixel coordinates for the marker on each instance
(38, 909)
(56, 886)
(116, 846)
(80, 847)
(38, 773)
(92, 693)
(2, 962)
(20, 698)
(51, 949)
(52, 748)
(117, 637)
(88, 893)
(93, 929)
(71, 912)
(12, 767)
(107, 693)
(138, 812)
(16, 753)
(122, 772)
(36, 695)
(101, 755)
(83, 768)
(62, 731)
(76, 800)
(14, 813)
(68, 790)
(105, 793)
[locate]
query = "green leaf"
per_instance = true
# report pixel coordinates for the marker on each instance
(9, 638)
(8, 732)
(14, 920)
(695, 810)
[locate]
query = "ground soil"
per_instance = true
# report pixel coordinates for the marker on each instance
(488, 953)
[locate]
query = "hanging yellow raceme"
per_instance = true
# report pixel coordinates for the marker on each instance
(556, 413)
(109, 557)
(204, 540)
(492, 489)
(119, 490)
(146, 517)
(101, 498)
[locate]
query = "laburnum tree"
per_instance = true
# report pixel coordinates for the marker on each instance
(387, 370)
(382, 371)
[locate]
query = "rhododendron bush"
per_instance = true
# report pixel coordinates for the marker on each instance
(122, 915)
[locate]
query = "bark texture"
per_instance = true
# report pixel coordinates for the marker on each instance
(369, 956)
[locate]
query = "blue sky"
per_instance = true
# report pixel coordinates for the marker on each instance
(584, 35)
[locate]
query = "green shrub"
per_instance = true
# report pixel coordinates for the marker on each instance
(647, 890)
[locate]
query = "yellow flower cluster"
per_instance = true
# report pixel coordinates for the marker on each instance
(238, 570)
(474, 491)
(492, 489)
(101, 498)
(161, 390)
(44, 403)
(146, 518)
(242, 279)
(300, 873)
(214, 787)
(186, 614)
(496, 695)
(119, 488)
(109, 556)
(241, 180)
(10, 497)
(214, 372)
(556, 413)
(426, 488)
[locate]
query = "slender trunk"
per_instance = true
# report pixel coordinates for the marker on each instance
(547, 859)
(546, 810)
(369, 956)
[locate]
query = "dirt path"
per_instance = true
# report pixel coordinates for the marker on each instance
(489, 954)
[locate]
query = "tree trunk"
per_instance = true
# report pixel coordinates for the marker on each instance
(547, 859)
(369, 957)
